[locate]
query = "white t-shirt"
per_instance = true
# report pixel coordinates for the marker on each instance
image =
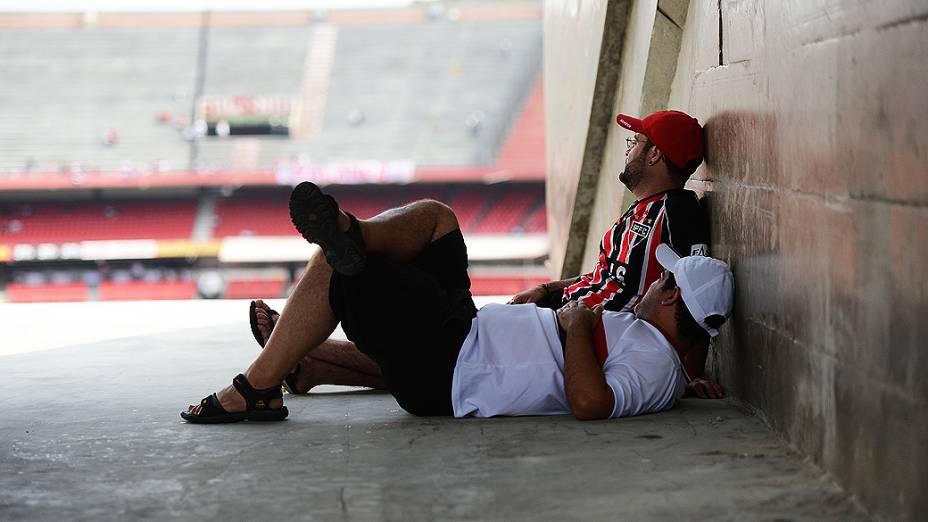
(512, 363)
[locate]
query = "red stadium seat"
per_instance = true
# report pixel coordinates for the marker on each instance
(253, 216)
(73, 222)
(507, 213)
(51, 292)
(467, 205)
(537, 222)
(501, 285)
(143, 290)
(255, 289)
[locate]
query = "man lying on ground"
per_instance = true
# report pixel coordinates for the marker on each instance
(398, 284)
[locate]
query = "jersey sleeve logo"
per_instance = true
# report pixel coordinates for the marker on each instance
(699, 249)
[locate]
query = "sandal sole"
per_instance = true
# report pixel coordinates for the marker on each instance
(253, 416)
(341, 252)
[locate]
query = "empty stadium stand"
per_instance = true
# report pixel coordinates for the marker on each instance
(508, 212)
(442, 92)
(145, 290)
(62, 222)
(47, 292)
(256, 213)
(503, 285)
(481, 209)
(391, 106)
(537, 221)
(255, 289)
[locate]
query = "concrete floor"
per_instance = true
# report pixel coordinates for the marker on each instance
(92, 432)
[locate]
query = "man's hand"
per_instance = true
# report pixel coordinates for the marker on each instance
(576, 314)
(532, 295)
(704, 389)
(588, 394)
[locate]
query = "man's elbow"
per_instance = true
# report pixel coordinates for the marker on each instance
(592, 408)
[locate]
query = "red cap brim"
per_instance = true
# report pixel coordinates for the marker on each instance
(632, 124)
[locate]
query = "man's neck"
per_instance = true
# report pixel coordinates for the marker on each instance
(645, 191)
(670, 334)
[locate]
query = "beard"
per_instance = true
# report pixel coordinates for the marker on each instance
(633, 173)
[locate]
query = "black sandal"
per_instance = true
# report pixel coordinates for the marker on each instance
(256, 406)
(289, 383)
(315, 216)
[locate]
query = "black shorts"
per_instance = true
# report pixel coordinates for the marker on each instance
(411, 319)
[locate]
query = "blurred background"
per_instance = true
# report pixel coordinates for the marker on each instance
(147, 151)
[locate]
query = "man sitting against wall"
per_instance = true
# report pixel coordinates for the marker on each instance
(398, 285)
(666, 149)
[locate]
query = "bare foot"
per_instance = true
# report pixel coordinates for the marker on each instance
(265, 319)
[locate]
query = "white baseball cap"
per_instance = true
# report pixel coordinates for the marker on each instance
(706, 284)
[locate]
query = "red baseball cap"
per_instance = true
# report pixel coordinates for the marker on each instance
(677, 134)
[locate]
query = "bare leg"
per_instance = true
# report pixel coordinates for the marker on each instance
(338, 362)
(307, 320)
(402, 233)
(305, 323)
(332, 362)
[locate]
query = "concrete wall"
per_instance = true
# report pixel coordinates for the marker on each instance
(817, 129)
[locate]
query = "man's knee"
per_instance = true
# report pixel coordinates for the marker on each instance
(445, 219)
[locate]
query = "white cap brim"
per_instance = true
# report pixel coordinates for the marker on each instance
(666, 256)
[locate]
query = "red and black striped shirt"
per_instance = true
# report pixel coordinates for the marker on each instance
(627, 264)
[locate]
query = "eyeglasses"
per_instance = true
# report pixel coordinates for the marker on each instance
(631, 142)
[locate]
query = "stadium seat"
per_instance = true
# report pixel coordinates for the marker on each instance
(508, 212)
(144, 290)
(501, 285)
(49, 292)
(257, 214)
(80, 221)
(255, 289)
(537, 221)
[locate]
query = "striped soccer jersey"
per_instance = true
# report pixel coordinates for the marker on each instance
(627, 264)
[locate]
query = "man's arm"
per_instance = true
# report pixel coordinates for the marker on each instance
(537, 293)
(687, 225)
(589, 396)
(700, 386)
(695, 360)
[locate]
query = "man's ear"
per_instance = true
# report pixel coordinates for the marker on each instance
(670, 297)
(654, 155)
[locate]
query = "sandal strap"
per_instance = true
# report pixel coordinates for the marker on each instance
(210, 406)
(354, 231)
(354, 228)
(255, 399)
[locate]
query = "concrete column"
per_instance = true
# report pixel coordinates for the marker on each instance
(583, 44)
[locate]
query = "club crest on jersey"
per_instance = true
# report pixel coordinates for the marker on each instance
(640, 231)
(641, 228)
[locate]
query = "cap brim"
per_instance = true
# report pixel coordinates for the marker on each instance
(666, 256)
(632, 124)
